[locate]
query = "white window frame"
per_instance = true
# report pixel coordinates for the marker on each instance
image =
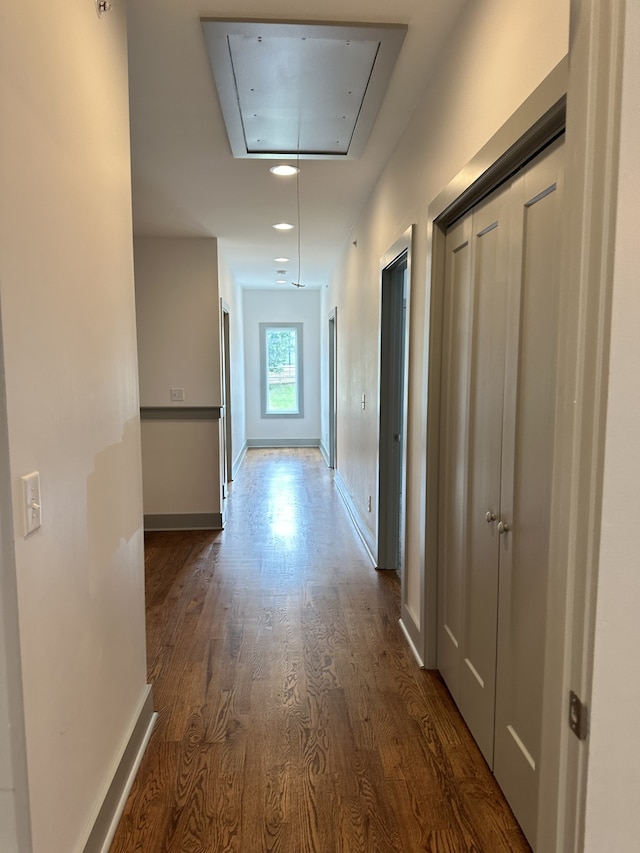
(264, 397)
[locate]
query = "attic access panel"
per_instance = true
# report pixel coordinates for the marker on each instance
(312, 89)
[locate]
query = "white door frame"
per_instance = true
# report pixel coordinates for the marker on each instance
(593, 144)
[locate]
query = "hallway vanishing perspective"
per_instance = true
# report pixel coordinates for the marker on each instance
(292, 716)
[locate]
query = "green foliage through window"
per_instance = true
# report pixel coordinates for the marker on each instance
(281, 369)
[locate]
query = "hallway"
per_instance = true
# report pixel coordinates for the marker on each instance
(292, 715)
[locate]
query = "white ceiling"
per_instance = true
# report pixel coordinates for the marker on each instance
(186, 181)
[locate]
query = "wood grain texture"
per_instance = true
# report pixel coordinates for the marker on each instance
(292, 715)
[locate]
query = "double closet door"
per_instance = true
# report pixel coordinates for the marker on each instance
(500, 347)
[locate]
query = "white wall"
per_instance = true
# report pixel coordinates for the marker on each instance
(177, 317)
(178, 320)
(66, 277)
(498, 54)
(181, 471)
(288, 306)
(613, 789)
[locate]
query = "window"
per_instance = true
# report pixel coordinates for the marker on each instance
(281, 370)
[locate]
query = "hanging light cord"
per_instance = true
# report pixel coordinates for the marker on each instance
(298, 282)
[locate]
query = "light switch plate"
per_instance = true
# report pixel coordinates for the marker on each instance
(176, 395)
(31, 502)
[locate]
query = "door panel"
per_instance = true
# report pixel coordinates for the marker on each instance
(490, 274)
(458, 311)
(526, 497)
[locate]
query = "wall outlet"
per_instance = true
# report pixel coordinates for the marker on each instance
(363, 401)
(176, 395)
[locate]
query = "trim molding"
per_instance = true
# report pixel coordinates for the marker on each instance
(390, 498)
(356, 518)
(545, 129)
(411, 644)
(183, 521)
(181, 413)
(325, 453)
(593, 150)
(238, 461)
(283, 442)
(110, 812)
(411, 629)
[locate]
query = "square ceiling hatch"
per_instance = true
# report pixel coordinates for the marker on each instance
(309, 89)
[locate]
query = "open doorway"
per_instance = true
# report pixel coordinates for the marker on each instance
(332, 387)
(394, 335)
(226, 397)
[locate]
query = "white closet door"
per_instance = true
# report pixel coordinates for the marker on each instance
(498, 407)
(491, 267)
(458, 313)
(527, 461)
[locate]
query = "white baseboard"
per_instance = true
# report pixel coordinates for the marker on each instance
(238, 461)
(283, 442)
(361, 529)
(407, 636)
(183, 521)
(110, 812)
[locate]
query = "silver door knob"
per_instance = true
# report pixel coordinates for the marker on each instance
(502, 527)
(489, 517)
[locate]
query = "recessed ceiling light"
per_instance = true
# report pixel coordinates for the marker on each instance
(284, 170)
(281, 260)
(284, 226)
(281, 281)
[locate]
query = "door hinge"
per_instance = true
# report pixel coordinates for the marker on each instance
(578, 716)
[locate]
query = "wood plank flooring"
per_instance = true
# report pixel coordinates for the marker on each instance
(292, 715)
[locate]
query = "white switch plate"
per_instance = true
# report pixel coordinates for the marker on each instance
(363, 401)
(176, 395)
(31, 502)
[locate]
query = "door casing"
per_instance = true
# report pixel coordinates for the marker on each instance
(333, 384)
(226, 388)
(395, 287)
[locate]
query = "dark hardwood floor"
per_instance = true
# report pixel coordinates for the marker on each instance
(292, 715)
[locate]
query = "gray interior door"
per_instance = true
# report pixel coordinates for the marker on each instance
(490, 281)
(525, 512)
(393, 391)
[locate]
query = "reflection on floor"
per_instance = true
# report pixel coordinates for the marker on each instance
(292, 715)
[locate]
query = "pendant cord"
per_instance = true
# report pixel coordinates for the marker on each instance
(298, 203)
(298, 282)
